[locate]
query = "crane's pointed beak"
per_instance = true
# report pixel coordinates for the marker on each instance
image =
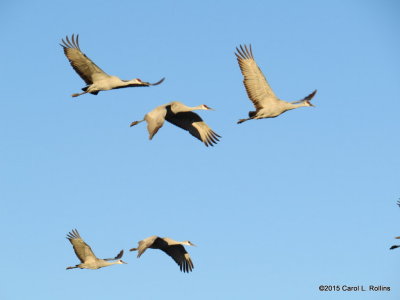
(124, 262)
(309, 103)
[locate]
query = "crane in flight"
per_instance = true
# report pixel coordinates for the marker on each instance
(266, 103)
(95, 78)
(171, 247)
(182, 116)
(86, 255)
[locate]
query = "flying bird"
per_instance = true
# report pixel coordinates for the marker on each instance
(182, 116)
(86, 255)
(266, 103)
(398, 237)
(96, 79)
(173, 248)
(395, 246)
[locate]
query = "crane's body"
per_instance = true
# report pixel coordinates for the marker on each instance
(96, 79)
(173, 248)
(182, 116)
(266, 103)
(87, 257)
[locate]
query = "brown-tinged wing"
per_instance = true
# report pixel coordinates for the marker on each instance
(155, 120)
(82, 250)
(193, 123)
(146, 243)
(82, 64)
(257, 87)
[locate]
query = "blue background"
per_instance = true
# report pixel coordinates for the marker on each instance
(277, 208)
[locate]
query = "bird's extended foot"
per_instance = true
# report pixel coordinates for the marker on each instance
(134, 123)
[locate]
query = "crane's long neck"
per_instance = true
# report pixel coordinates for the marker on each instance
(191, 108)
(109, 263)
(290, 106)
(184, 108)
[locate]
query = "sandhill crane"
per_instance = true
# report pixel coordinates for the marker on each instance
(395, 246)
(398, 237)
(86, 255)
(96, 79)
(260, 93)
(173, 248)
(182, 116)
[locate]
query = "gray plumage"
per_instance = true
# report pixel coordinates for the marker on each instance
(266, 103)
(96, 79)
(171, 247)
(182, 116)
(87, 257)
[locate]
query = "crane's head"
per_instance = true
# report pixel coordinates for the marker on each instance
(137, 81)
(203, 106)
(189, 243)
(397, 237)
(120, 261)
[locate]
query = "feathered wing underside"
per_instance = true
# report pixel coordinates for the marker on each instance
(146, 243)
(82, 64)
(257, 87)
(193, 123)
(155, 120)
(82, 250)
(180, 256)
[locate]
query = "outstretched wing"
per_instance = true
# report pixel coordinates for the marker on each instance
(82, 250)
(180, 256)
(257, 87)
(144, 244)
(155, 120)
(117, 257)
(307, 98)
(192, 122)
(140, 83)
(82, 64)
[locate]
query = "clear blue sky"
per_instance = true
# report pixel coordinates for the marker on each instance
(277, 208)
